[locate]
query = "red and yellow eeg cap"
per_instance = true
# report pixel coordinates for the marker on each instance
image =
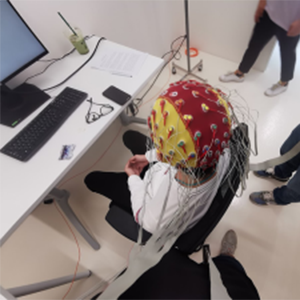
(190, 124)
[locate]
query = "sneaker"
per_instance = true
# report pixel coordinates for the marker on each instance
(269, 173)
(229, 243)
(263, 198)
(276, 89)
(231, 77)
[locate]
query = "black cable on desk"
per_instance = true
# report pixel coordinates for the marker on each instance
(54, 60)
(59, 84)
(172, 50)
(57, 59)
(139, 100)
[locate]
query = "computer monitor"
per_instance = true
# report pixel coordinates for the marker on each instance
(19, 48)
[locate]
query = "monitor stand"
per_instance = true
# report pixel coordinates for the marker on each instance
(17, 104)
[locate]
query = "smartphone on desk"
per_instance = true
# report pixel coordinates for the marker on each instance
(116, 95)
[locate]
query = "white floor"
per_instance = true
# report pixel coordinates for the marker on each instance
(269, 244)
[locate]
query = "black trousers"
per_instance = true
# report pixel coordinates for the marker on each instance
(114, 185)
(263, 31)
(178, 277)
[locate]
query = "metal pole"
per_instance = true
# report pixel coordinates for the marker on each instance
(45, 285)
(186, 9)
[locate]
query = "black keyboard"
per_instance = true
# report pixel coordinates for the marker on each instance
(30, 140)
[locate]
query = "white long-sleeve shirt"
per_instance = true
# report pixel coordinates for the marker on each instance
(154, 187)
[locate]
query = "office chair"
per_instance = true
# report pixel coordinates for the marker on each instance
(192, 240)
(189, 242)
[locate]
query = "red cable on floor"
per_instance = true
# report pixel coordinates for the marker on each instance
(66, 221)
(78, 247)
(193, 52)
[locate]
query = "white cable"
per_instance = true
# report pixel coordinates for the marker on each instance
(99, 287)
(169, 229)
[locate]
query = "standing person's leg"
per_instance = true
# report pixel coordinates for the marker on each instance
(286, 169)
(234, 277)
(288, 54)
(263, 31)
(290, 192)
(288, 60)
(229, 260)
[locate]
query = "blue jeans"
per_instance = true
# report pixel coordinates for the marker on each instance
(290, 192)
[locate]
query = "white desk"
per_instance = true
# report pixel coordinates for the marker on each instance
(25, 185)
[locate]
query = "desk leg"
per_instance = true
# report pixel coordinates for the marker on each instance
(128, 120)
(45, 285)
(61, 197)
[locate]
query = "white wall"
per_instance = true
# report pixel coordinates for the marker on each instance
(131, 23)
(222, 28)
(136, 24)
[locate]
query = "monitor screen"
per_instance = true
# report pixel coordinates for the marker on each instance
(19, 47)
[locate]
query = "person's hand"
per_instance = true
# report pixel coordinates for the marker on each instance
(140, 161)
(260, 10)
(132, 169)
(294, 29)
(258, 14)
(159, 156)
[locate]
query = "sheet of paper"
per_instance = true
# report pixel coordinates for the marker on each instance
(126, 63)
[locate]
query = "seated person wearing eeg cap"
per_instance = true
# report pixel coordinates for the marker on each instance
(190, 128)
